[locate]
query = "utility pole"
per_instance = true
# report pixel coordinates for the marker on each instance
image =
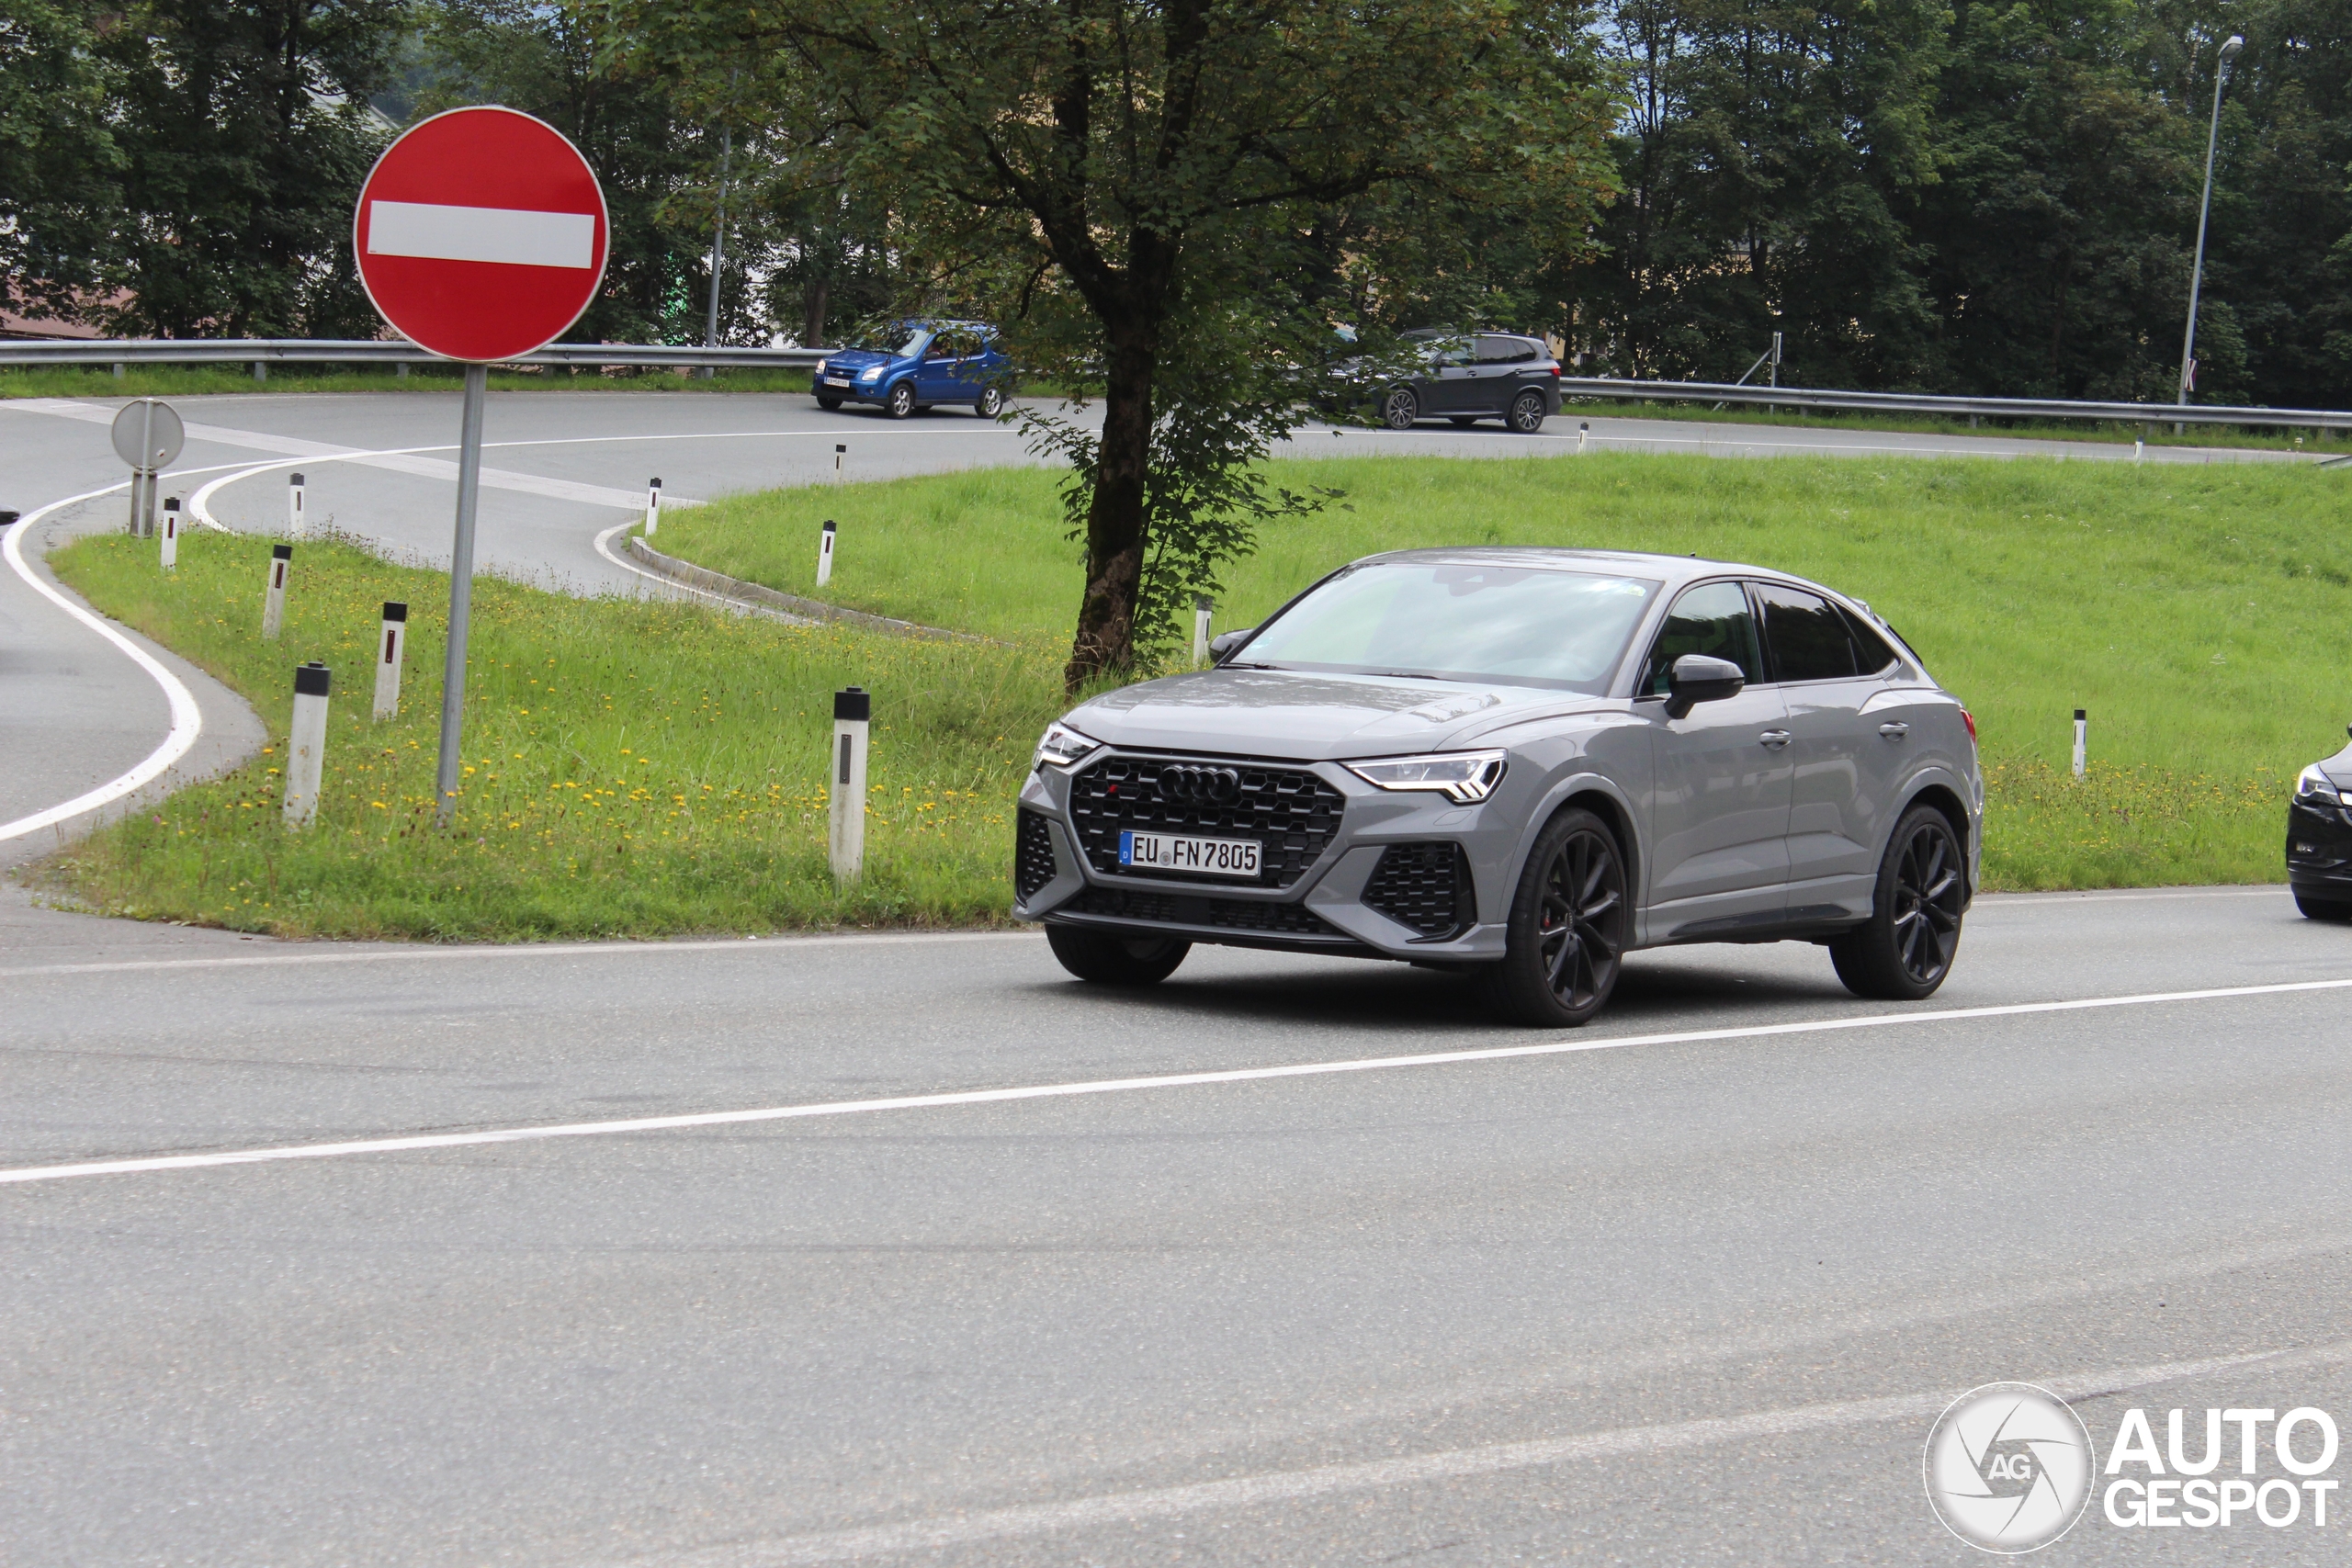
(718, 244)
(2196, 274)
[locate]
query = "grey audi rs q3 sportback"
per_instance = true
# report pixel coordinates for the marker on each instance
(1523, 765)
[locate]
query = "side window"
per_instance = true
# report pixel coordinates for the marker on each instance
(1712, 619)
(1806, 635)
(1505, 350)
(941, 347)
(1871, 655)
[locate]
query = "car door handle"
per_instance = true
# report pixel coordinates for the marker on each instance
(1775, 737)
(1894, 730)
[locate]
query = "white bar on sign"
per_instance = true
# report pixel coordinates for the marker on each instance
(482, 234)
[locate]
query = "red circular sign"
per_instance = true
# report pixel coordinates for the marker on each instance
(480, 234)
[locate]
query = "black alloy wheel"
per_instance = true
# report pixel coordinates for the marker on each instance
(1904, 950)
(1526, 414)
(2317, 909)
(901, 400)
(828, 403)
(1107, 958)
(992, 403)
(1400, 408)
(1565, 943)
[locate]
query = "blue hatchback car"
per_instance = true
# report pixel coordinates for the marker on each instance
(917, 364)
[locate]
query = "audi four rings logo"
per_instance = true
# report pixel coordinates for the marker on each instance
(1186, 785)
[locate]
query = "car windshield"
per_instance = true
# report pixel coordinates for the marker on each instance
(898, 341)
(1513, 624)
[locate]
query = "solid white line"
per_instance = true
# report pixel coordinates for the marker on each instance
(604, 543)
(520, 950)
(187, 719)
(1129, 1508)
(1116, 1086)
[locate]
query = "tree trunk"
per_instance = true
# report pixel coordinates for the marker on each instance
(812, 324)
(1115, 515)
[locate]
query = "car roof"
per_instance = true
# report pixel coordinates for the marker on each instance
(1671, 570)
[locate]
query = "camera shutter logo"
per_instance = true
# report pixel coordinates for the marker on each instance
(2008, 1467)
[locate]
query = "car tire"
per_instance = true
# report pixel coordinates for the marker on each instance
(2317, 909)
(1399, 407)
(899, 402)
(992, 403)
(1106, 958)
(1527, 412)
(1904, 950)
(828, 404)
(1565, 945)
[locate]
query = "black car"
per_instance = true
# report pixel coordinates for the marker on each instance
(2319, 839)
(1464, 378)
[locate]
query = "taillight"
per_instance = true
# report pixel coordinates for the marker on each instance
(1969, 719)
(1555, 372)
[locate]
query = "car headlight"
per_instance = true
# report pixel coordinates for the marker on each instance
(2315, 788)
(873, 374)
(1064, 748)
(1466, 777)
(820, 367)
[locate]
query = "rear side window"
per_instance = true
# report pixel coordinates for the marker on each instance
(1713, 619)
(1506, 350)
(1806, 635)
(1871, 655)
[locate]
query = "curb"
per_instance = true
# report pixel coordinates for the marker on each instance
(733, 588)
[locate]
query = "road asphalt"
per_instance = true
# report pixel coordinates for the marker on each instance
(1658, 1299)
(1690, 1286)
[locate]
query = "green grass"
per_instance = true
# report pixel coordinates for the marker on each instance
(2202, 615)
(631, 768)
(2157, 432)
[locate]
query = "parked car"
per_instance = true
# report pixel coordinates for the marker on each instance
(1523, 763)
(1461, 377)
(2319, 839)
(916, 365)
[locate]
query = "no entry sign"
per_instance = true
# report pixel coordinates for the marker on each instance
(480, 234)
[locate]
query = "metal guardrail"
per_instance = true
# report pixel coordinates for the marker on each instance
(1920, 402)
(336, 351)
(261, 352)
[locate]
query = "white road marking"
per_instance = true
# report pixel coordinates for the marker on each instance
(1120, 1086)
(438, 954)
(504, 235)
(187, 719)
(1129, 1508)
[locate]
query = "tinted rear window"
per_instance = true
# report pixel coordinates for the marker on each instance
(1807, 637)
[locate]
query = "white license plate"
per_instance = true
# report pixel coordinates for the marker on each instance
(1199, 857)
(837, 381)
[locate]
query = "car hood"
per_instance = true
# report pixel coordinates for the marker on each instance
(1310, 717)
(857, 359)
(2338, 768)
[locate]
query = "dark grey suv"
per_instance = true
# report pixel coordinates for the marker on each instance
(1523, 763)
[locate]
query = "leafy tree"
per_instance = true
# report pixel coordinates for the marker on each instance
(245, 133)
(1116, 157)
(59, 162)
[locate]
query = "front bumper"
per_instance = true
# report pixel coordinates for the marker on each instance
(1352, 896)
(2319, 849)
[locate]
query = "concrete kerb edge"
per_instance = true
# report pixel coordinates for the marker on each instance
(726, 587)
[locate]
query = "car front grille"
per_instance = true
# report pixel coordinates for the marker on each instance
(1426, 886)
(1220, 914)
(1033, 854)
(1291, 812)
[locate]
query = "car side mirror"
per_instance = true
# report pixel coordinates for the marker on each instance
(1225, 642)
(1696, 679)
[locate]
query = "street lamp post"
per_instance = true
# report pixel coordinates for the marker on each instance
(2196, 274)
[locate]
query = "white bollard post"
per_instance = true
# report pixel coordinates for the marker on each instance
(1583, 430)
(273, 605)
(840, 451)
(294, 506)
(306, 743)
(2082, 739)
(845, 780)
(387, 667)
(652, 507)
(1204, 608)
(171, 533)
(825, 553)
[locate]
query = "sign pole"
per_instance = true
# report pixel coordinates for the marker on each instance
(461, 582)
